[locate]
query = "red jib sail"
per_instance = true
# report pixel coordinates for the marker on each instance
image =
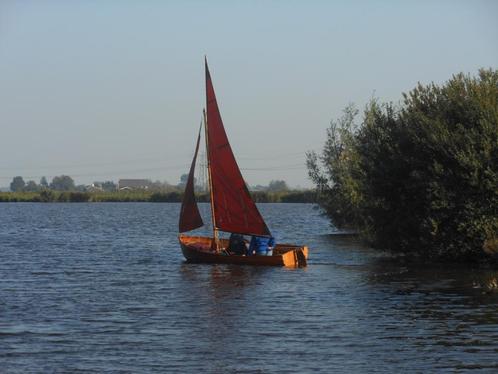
(234, 210)
(190, 217)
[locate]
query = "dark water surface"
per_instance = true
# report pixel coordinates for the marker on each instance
(104, 288)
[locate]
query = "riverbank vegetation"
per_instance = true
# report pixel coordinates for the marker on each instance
(419, 177)
(63, 189)
(290, 196)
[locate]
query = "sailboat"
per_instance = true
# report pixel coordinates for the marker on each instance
(232, 208)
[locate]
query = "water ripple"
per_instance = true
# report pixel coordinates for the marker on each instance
(104, 288)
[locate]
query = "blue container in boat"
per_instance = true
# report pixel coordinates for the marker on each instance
(260, 245)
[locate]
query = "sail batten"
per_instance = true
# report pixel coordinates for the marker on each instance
(233, 208)
(190, 218)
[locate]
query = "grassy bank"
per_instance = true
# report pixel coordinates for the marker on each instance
(49, 196)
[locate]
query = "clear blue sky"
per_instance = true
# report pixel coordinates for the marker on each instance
(114, 89)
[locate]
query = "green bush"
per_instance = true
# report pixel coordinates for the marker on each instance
(79, 197)
(420, 178)
(46, 196)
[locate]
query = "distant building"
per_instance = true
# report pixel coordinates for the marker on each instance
(134, 184)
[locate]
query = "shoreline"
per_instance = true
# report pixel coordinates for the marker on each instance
(49, 196)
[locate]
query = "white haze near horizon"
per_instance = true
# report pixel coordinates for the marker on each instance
(107, 90)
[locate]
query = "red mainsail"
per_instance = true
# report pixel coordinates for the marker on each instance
(234, 210)
(190, 217)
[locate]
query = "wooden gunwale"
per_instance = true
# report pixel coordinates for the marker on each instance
(198, 249)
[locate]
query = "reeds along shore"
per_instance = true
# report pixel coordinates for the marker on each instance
(49, 196)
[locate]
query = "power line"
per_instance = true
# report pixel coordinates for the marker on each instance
(275, 156)
(78, 165)
(177, 167)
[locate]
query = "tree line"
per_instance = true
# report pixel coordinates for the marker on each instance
(63, 189)
(419, 177)
(59, 183)
(66, 183)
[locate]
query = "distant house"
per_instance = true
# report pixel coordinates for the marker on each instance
(134, 184)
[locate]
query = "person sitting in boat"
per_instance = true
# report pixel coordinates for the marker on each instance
(261, 246)
(236, 244)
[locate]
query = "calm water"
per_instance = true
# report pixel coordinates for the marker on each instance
(104, 288)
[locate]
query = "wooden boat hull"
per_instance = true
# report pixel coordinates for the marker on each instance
(197, 249)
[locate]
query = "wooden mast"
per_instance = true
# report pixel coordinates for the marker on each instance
(213, 219)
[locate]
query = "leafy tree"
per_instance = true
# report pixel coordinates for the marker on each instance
(421, 177)
(183, 180)
(31, 186)
(43, 182)
(109, 186)
(17, 184)
(62, 183)
(277, 186)
(106, 186)
(337, 182)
